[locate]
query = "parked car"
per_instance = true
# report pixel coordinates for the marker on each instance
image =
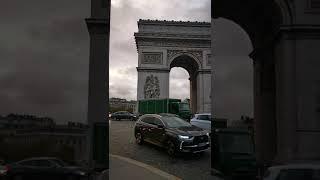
(44, 167)
(123, 115)
(293, 172)
(202, 120)
(171, 132)
(3, 168)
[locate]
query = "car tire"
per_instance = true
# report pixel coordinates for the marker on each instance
(17, 177)
(139, 138)
(72, 177)
(171, 149)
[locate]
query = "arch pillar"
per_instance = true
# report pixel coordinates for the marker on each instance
(286, 103)
(204, 90)
(264, 104)
(193, 94)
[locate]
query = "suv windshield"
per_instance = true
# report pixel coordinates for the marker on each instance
(175, 122)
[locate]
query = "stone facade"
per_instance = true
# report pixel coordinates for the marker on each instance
(162, 45)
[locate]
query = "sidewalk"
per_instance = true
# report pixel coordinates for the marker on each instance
(127, 169)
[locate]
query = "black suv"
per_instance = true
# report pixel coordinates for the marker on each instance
(123, 115)
(171, 132)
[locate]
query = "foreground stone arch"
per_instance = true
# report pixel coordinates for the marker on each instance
(285, 36)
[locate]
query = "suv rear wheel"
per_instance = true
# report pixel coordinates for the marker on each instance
(139, 138)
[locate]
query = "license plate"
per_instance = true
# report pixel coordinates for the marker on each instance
(202, 144)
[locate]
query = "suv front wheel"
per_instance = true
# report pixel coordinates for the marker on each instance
(171, 149)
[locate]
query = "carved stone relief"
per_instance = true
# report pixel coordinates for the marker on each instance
(172, 53)
(152, 58)
(152, 87)
(209, 59)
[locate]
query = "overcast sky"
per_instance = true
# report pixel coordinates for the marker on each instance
(44, 54)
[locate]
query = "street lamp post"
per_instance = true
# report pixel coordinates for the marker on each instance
(98, 138)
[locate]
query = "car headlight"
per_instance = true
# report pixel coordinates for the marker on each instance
(81, 173)
(182, 137)
(207, 132)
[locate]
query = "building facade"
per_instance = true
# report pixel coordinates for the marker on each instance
(26, 130)
(122, 104)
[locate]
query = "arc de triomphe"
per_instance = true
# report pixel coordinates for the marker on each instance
(162, 45)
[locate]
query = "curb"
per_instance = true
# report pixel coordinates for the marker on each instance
(148, 167)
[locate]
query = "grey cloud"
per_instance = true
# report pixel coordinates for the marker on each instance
(230, 39)
(128, 71)
(233, 87)
(178, 73)
(179, 89)
(122, 91)
(44, 52)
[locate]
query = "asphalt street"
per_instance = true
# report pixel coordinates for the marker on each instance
(122, 142)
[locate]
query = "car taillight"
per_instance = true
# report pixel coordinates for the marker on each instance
(6, 168)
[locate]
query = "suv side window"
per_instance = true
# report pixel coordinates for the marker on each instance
(148, 120)
(43, 163)
(27, 163)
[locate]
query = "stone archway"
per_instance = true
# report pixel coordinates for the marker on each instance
(191, 65)
(162, 45)
(261, 21)
(280, 32)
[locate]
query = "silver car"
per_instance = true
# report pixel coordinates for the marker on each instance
(293, 172)
(202, 120)
(3, 168)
